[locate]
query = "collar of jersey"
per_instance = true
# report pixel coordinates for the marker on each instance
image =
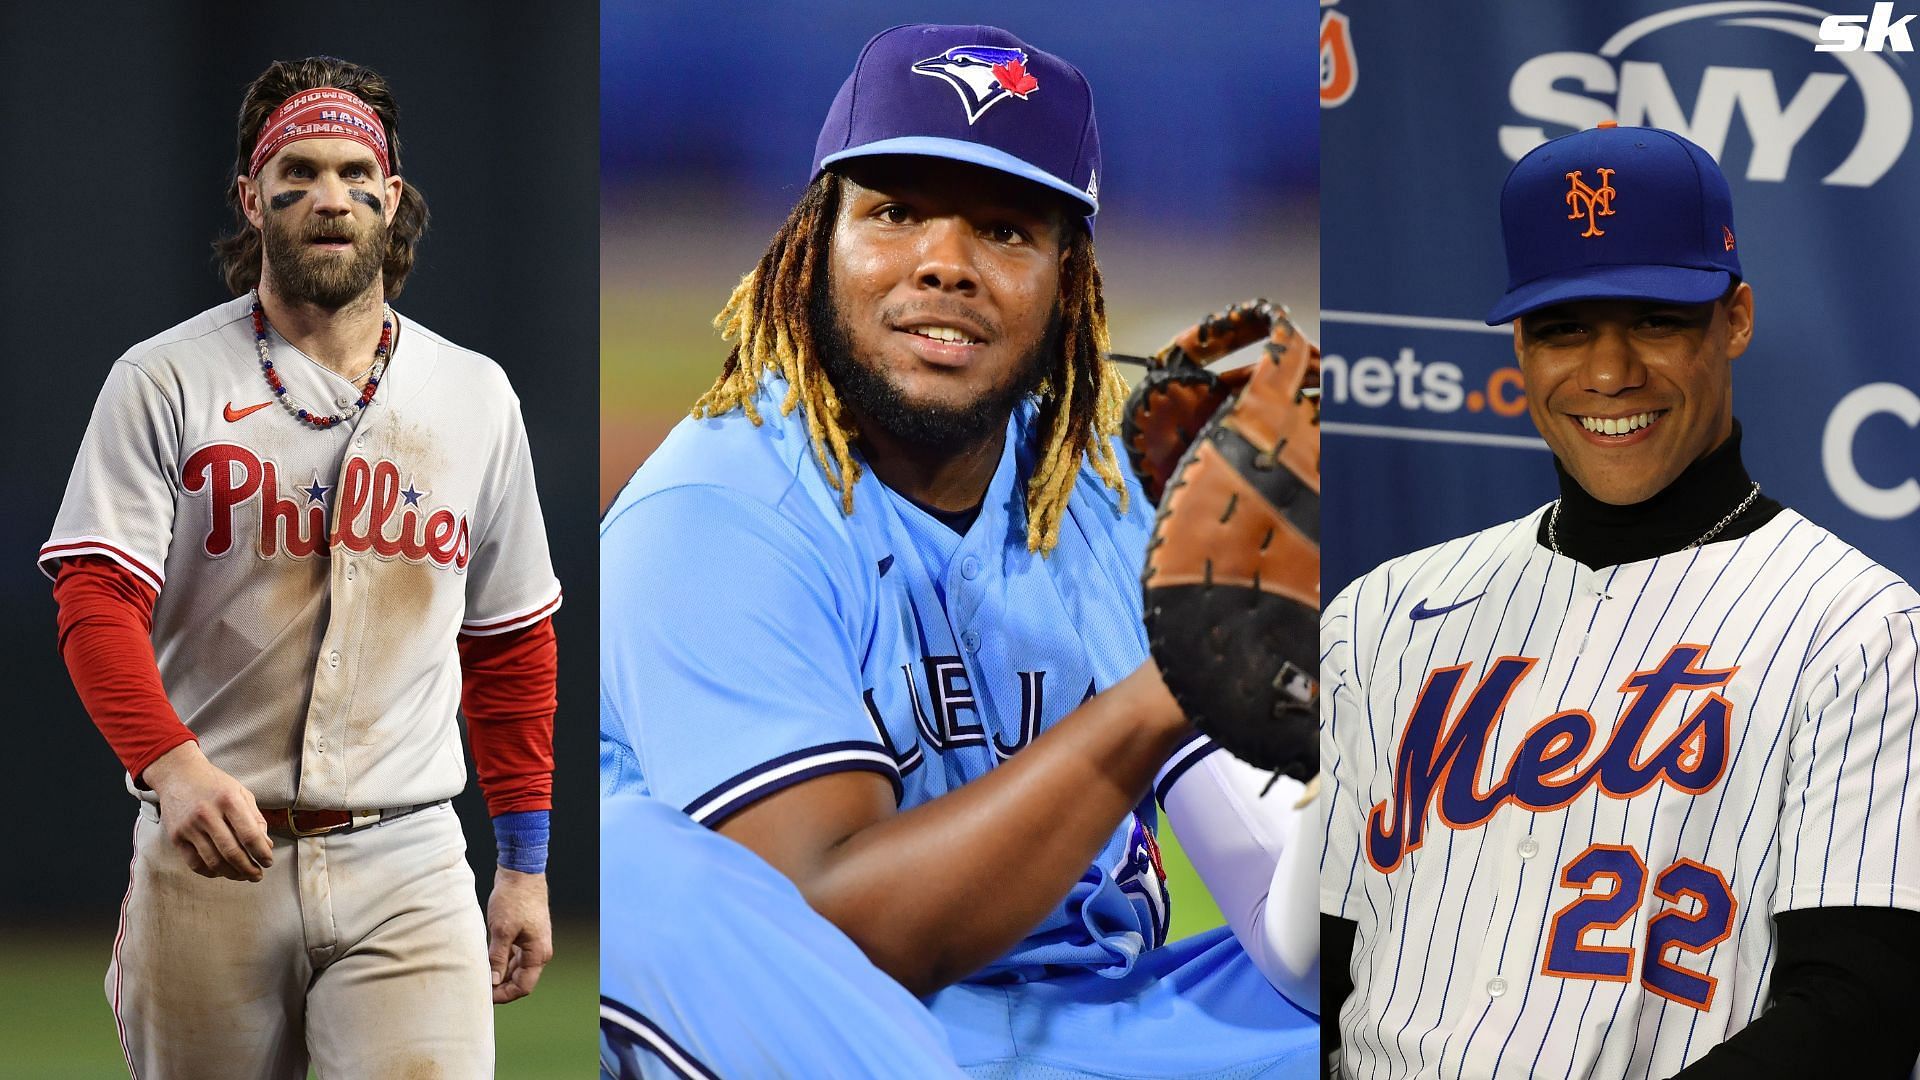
(1595, 533)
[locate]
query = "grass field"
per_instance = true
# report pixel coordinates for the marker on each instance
(57, 1025)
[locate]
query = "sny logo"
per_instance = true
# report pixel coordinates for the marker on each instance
(1842, 33)
(1589, 202)
(1644, 72)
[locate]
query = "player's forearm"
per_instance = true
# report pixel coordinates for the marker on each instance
(1837, 1001)
(1236, 824)
(1336, 967)
(104, 622)
(509, 693)
(937, 892)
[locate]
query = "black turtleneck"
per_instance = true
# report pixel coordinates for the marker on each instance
(1600, 534)
(1841, 988)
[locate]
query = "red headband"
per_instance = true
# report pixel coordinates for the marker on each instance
(325, 113)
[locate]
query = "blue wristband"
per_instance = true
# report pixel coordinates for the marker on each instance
(522, 839)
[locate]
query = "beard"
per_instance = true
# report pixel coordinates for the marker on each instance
(877, 399)
(301, 274)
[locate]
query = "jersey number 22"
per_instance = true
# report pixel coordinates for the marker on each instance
(1619, 870)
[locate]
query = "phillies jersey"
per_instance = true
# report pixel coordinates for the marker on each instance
(312, 582)
(753, 636)
(1565, 803)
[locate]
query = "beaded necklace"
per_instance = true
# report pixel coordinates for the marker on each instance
(280, 389)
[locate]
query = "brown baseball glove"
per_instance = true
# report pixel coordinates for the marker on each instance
(1232, 581)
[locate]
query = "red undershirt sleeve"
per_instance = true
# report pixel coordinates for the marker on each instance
(105, 627)
(509, 691)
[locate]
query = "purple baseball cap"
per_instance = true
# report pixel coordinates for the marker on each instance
(1615, 213)
(968, 93)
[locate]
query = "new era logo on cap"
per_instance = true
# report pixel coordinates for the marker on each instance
(983, 75)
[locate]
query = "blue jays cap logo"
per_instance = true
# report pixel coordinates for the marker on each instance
(983, 75)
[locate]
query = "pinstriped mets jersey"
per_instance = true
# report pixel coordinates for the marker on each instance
(1565, 803)
(312, 582)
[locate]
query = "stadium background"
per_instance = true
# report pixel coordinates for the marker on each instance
(1208, 192)
(1427, 433)
(120, 128)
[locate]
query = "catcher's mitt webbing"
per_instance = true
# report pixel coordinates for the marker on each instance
(1177, 395)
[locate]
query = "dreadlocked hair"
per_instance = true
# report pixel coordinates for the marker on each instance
(767, 319)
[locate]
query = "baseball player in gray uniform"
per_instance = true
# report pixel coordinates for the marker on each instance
(301, 530)
(1621, 788)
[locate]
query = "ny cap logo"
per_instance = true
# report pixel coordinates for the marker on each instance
(983, 75)
(1590, 202)
(1729, 236)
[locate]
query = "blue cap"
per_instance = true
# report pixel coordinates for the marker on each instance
(968, 93)
(1615, 213)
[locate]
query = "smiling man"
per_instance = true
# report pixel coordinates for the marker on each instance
(874, 621)
(1619, 788)
(300, 533)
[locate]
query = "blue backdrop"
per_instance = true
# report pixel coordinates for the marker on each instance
(1203, 111)
(1427, 434)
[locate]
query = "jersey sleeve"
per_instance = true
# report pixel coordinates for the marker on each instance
(728, 667)
(121, 494)
(1344, 759)
(1848, 836)
(510, 581)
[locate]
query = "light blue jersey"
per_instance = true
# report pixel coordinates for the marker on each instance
(697, 922)
(754, 636)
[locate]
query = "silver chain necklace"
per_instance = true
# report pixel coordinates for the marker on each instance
(1553, 522)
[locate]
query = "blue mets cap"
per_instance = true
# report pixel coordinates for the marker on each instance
(968, 93)
(1615, 213)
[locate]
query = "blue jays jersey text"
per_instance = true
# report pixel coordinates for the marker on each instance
(754, 636)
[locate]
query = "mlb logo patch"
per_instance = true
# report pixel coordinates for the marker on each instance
(983, 75)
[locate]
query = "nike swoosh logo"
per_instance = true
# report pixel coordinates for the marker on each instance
(234, 415)
(1422, 611)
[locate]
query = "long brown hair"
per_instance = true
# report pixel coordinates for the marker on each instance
(767, 320)
(238, 252)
